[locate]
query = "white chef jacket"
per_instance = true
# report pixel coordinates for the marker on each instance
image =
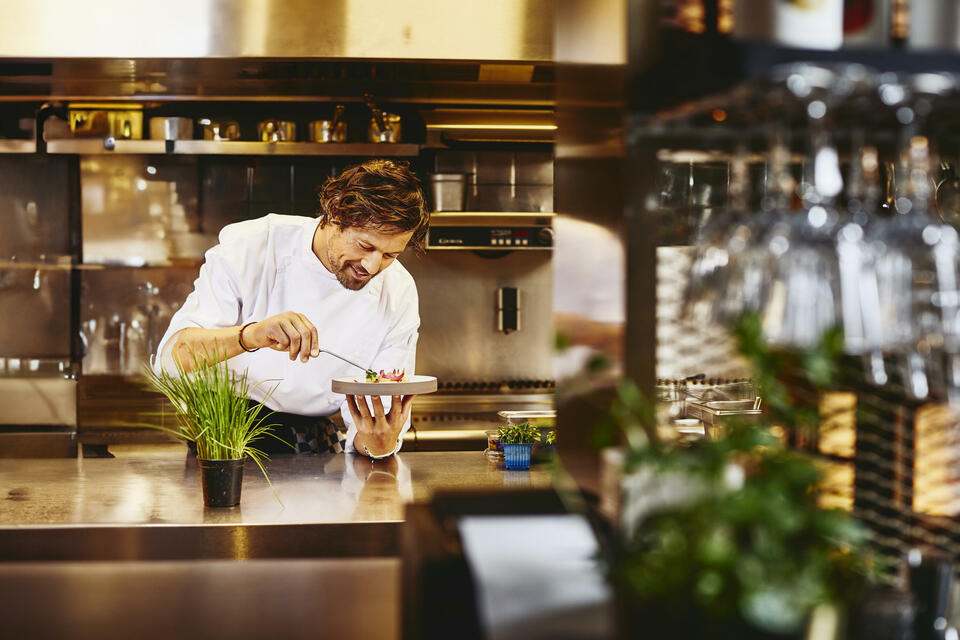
(589, 271)
(267, 266)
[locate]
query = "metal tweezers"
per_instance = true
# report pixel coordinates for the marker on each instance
(369, 372)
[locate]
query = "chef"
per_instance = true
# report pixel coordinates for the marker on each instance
(277, 289)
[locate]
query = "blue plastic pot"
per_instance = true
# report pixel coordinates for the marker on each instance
(517, 456)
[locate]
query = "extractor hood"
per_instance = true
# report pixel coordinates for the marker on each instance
(493, 30)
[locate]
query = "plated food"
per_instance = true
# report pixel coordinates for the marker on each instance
(396, 375)
(408, 385)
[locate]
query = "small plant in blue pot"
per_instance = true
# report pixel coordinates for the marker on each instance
(517, 441)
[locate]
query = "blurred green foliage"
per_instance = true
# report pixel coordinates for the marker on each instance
(523, 433)
(745, 545)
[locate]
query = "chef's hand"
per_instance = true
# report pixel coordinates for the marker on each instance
(383, 469)
(288, 331)
(378, 432)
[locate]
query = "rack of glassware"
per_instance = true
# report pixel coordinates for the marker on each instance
(825, 196)
(845, 220)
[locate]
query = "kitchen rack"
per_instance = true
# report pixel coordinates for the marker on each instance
(215, 147)
(18, 146)
(889, 457)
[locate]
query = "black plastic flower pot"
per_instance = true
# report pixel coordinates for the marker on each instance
(222, 480)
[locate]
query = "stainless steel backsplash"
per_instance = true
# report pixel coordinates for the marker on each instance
(35, 257)
(146, 222)
(503, 180)
(35, 313)
(152, 210)
(459, 339)
(125, 311)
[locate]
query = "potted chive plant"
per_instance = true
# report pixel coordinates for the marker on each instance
(517, 441)
(213, 412)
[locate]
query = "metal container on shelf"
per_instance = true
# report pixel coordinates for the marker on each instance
(543, 418)
(333, 130)
(277, 131)
(449, 191)
(101, 120)
(713, 413)
(220, 130)
(171, 128)
(327, 131)
(384, 127)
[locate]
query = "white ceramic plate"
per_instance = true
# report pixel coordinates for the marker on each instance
(415, 385)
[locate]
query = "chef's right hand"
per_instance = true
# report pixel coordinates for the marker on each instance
(288, 331)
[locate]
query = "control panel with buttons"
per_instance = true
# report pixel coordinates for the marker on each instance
(483, 237)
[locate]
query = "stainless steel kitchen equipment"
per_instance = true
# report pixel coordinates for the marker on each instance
(501, 180)
(545, 418)
(449, 126)
(333, 130)
(449, 191)
(132, 203)
(38, 386)
(383, 127)
(491, 231)
(461, 418)
(481, 370)
(273, 29)
(221, 130)
(277, 131)
(171, 128)
(123, 122)
(472, 259)
(712, 411)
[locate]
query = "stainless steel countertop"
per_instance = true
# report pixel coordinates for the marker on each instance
(289, 599)
(123, 547)
(164, 488)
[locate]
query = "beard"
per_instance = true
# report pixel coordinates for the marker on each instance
(346, 276)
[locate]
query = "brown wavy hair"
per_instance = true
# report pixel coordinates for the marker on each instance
(379, 194)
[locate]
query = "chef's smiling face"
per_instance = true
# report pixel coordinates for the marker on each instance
(355, 254)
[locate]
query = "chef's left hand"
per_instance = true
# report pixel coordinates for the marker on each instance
(377, 430)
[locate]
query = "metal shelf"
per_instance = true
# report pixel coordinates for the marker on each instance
(18, 146)
(65, 264)
(702, 65)
(474, 218)
(99, 145)
(215, 147)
